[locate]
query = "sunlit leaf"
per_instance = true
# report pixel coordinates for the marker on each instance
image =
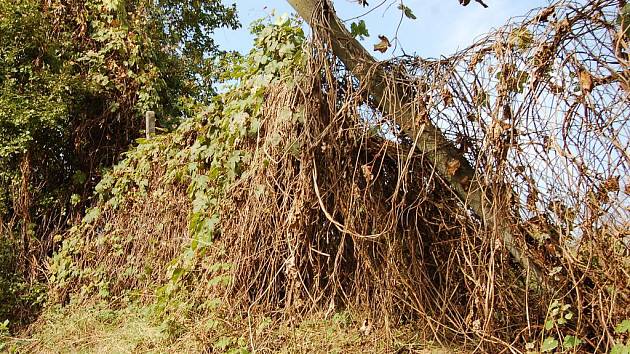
(623, 327)
(452, 166)
(359, 29)
(382, 45)
(549, 344)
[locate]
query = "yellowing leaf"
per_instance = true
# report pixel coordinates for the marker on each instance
(521, 38)
(382, 45)
(549, 344)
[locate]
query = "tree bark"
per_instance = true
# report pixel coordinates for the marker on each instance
(430, 140)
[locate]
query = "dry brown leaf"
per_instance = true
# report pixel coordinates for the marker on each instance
(498, 128)
(447, 96)
(611, 184)
(507, 112)
(382, 45)
(561, 210)
(602, 197)
(452, 166)
(464, 144)
(543, 16)
(563, 26)
(586, 81)
(532, 198)
(367, 173)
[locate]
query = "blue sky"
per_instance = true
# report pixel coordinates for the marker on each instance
(442, 27)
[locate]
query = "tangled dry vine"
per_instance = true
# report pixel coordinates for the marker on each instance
(539, 108)
(341, 203)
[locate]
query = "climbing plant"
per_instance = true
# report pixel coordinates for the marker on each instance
(75, 79)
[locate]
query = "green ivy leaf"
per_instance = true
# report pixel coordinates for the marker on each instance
(359, 29)
(620, 349)
(223, 343)
(571, 342)
(623, 327)
(549, 344)
(549, 324)
(407, 11)
(91, 215)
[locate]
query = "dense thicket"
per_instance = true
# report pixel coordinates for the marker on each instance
(292, 195)
(75, 78)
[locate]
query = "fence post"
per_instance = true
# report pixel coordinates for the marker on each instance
(150, 124)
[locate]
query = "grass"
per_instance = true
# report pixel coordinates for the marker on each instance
(133, 330)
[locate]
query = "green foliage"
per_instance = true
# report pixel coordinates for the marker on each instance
(549, 344)
(558, 317)
(4, 331)
(75, 80)
(406, 11)
(622, 347)
(19, 298)
(623, 327)
(359, 29)
(205, 155)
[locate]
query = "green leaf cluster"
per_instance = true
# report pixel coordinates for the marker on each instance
(204, 154)
(359, 29)
(75, 80)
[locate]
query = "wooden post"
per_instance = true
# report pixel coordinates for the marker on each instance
(150, 124)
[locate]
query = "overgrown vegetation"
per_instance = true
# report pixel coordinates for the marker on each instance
(75, 79)
(290, 213)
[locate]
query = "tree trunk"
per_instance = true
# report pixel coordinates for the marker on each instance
(429, 139)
